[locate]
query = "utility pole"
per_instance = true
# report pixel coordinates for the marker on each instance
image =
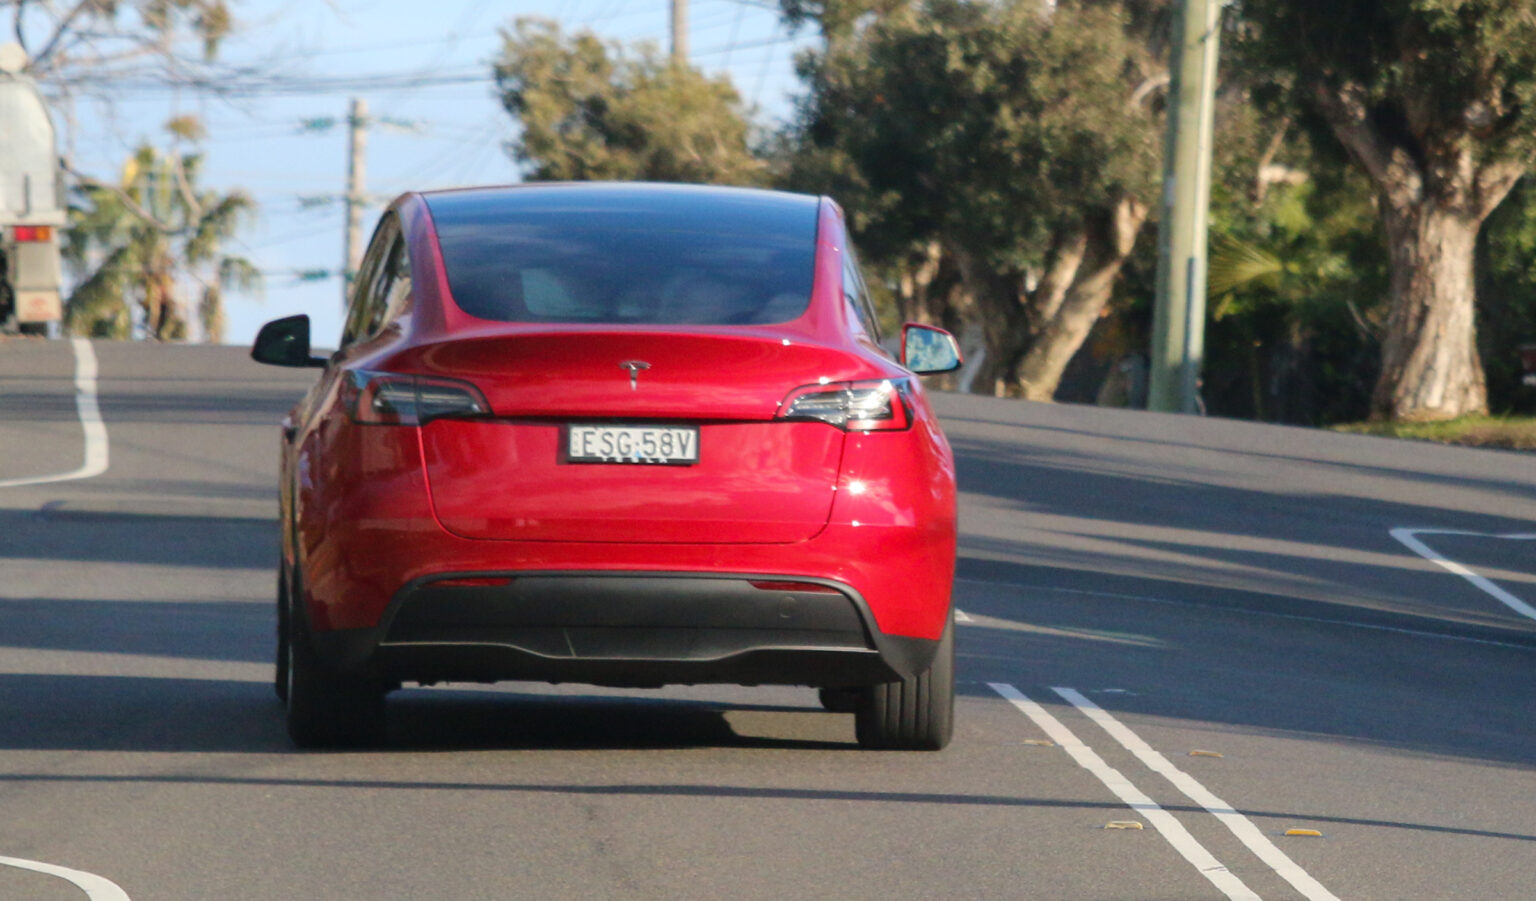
(1178, 322)
(680, 32)
(357, 122)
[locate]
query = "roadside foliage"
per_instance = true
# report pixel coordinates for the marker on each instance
(1013, 148)
(1433, 102)
(1370, 232)
(135, 242)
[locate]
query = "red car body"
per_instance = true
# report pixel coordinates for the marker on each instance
(476, 547)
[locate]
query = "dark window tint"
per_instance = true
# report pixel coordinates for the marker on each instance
(628, 255)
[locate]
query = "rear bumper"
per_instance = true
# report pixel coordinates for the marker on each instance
(627, 629)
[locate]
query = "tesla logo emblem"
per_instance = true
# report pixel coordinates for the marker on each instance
(634, 367)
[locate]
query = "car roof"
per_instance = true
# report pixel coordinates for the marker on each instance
(623, 197)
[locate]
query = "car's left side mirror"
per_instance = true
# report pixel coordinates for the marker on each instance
(927, 350)
(285, 342)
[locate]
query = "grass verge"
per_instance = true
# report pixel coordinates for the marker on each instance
(1507, 432)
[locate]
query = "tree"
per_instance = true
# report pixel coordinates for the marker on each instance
(90, 46)
(132, 243)
(1294, 284)
(1433, 100)
(587, 111)
(1023, 141)
(1506, 293)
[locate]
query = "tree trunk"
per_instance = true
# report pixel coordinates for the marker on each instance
(1005, 337)
(1031, 336)
(1430, 366)
(1004, 329)
(1058, 338)
(1436, 184)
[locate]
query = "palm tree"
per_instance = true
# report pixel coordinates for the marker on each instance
(132, 243)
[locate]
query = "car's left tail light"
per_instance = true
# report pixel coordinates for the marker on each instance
(388, 398)
(864, 406)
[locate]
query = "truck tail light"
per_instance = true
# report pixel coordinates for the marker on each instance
(387, 398)
(877, 405)
(29, 234)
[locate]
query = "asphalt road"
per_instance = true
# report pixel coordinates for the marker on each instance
(1138, 587)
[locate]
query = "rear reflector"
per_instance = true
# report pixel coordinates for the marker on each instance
(794, 586)
(473, 582)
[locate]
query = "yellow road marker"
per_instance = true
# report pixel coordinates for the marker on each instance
(1199, 753)
(1311, 833)
(1123, 824)
(1040, 742)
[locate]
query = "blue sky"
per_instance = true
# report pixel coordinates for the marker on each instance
(456, 131)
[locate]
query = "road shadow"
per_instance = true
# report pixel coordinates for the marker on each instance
(88, 534)
(234, 631)
(1116, 527)
(1254, 673)
(184, 715)
(1172, 437)
(459, 721)
(700, 790)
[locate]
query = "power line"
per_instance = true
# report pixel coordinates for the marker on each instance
(728, 48)
(735, 28)
(282, 85)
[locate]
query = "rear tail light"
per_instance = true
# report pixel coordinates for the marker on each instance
(852, 406)
(387, 398)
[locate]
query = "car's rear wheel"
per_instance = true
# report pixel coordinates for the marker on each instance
(280, 667)
(327, 709)
(839, 700)
(915, 714)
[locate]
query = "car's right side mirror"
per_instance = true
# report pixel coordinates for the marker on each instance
(285, 342)
(927, 350)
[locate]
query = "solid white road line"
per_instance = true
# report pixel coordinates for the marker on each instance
(95, 462)
(1241, 826)
(1172, 830)
(1409, 539)
(95, 887)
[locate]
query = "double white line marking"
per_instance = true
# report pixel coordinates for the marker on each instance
(1165, 823)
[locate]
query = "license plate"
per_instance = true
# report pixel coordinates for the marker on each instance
(667, 445)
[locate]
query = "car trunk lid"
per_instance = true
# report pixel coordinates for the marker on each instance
(756, 479)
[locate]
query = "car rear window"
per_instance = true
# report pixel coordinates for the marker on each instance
(695, 257)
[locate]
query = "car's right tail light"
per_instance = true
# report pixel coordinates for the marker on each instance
(389, 398)
(866, 406)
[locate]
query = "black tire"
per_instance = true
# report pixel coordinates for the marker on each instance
(327, 709)
(915, 714)
(839, 700)
(280, 665)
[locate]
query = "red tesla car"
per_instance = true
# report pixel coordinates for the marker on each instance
(621, 434)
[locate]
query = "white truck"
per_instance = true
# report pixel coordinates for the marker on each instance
(32, 205)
